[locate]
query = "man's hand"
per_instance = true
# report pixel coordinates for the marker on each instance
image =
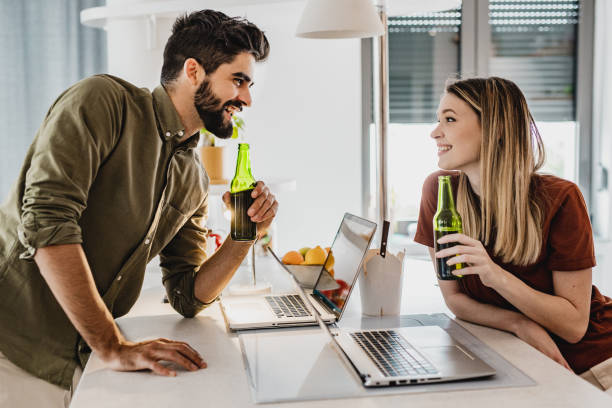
(536, 336)
(129, 356)
(264, 208)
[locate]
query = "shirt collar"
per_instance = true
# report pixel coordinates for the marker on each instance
(168, 118)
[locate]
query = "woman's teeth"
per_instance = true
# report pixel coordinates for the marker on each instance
(444, 148)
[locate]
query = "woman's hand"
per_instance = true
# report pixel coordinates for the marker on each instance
(471, 252)
(535, 335)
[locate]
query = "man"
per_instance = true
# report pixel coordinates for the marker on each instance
(111, 181)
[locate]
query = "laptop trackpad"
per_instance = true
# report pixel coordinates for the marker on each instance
(250, 312)
(451, 360)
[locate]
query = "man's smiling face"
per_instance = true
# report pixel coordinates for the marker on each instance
(225, 92)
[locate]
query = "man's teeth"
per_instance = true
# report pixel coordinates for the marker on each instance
(231, 109)
(444, 148)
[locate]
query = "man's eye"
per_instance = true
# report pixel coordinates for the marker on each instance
(238, 81)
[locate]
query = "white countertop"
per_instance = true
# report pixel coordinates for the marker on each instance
(224, 383)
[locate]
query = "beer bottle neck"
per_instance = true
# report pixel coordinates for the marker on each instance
(243, 180)
(445, 194)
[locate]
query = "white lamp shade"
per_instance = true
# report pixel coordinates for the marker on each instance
(339, 19)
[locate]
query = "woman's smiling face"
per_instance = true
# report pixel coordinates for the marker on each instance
(458, 135)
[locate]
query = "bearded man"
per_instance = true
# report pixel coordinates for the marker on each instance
(112, 180)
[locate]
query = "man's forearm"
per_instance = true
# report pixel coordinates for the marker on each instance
(218, 270)
(66, 271)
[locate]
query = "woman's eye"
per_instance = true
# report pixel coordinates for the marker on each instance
(449, 119)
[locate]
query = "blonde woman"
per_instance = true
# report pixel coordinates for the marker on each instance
(527, 238)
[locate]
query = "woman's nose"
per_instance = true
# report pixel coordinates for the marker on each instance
(436, 132)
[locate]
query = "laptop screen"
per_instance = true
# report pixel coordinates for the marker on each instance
(343, 262)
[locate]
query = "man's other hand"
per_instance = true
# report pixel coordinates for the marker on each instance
(264, 208)
(130, 356)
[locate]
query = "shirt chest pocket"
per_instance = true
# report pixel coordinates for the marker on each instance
(170, 222)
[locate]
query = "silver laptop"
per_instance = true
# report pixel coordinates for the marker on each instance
(402, 356)
(330, 293)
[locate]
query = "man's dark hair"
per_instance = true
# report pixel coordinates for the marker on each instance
(212, 38)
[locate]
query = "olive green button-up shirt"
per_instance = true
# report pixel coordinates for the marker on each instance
(106, 170)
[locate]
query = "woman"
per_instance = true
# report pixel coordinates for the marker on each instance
(527, 238)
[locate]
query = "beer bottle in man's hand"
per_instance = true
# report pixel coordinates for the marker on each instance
(243, 183)
(446, 221)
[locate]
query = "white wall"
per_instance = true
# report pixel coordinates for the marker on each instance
(305, 122)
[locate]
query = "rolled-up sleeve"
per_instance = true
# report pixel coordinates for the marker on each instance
(78, 132)
(180, 262)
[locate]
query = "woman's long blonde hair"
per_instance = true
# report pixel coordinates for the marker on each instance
(511, 151)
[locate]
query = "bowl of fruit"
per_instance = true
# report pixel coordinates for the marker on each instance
(306, 263)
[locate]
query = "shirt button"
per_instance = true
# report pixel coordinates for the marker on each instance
(119, 278)
(180, 133)
(147, 241)
(168, 134)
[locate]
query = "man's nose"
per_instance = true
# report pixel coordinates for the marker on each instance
(245, 96)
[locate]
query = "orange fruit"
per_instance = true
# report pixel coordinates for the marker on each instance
(293, 258)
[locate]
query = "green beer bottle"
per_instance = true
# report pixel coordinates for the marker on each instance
(446, 221)
(243, 183)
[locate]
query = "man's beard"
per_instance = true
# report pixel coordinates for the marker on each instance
(207, 104)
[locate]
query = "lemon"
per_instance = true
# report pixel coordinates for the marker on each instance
(315, 256)
(304, 250)
(329, 265)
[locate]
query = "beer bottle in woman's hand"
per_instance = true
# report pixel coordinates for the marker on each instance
(446, 221)
(243, 183)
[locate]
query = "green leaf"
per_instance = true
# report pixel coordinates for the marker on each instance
(208, 136)
(238, 124)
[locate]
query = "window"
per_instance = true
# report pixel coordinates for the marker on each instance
(532, 42)
(423, 54)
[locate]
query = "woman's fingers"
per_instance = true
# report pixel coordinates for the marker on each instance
(457, 249)
(470, 270)
(460, 238)
(463, 258)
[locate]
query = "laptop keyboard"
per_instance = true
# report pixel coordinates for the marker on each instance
(288, 306)
(392, 354)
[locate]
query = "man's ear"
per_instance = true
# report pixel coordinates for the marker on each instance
(194, 72)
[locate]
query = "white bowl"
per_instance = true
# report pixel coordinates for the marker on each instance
(307, 276)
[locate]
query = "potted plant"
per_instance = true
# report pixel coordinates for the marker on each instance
(212, 155)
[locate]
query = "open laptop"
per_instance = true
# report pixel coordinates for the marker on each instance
(329, 295)
(402, 356)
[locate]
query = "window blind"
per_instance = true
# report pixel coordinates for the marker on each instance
(423, 54)
(533, 43)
